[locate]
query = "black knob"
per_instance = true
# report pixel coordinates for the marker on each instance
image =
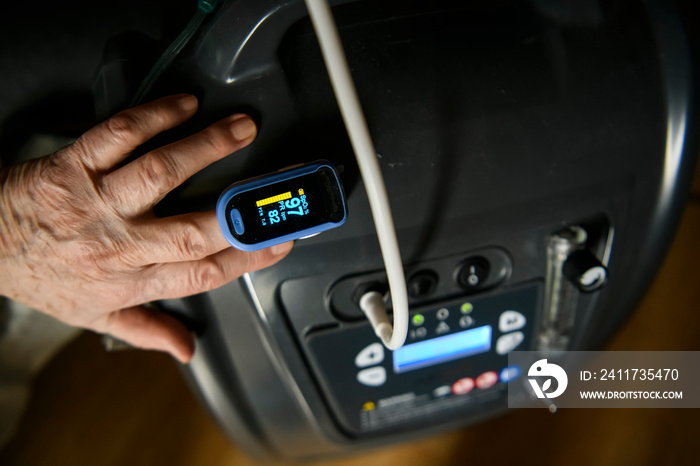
(422, 284)
(585, 271)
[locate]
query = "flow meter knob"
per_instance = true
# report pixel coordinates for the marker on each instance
(585, 271)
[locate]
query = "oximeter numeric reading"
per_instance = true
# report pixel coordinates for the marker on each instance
(282, 206)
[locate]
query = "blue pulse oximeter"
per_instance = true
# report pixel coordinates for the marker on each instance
(283, 206)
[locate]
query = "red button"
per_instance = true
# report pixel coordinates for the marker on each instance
(486, 380)
(463, 386)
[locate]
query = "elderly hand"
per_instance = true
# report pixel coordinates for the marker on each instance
(79, 239)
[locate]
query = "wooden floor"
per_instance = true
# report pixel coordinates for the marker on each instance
(133, 408)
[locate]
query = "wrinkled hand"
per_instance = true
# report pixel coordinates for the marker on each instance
(79, 239)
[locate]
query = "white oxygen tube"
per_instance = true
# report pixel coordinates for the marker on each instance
(356, 125)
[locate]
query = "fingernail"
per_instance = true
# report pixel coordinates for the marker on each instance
(283, 248)
(187, 102)
(244, 128)
(184, 358)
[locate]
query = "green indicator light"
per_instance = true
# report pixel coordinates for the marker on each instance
(418, 319)
(466, 308)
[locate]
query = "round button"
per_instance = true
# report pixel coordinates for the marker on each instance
(508, 342)
(463, 386)
(442, 314)
(511, 320)
(372, 377)
(486, 380)
(443, 390)
(370, 355)
(237, 221)
(510, 373)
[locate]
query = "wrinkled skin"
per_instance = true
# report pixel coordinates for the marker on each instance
(79, 240)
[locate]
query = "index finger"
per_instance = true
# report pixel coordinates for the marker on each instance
(138, 186)
(113, 140)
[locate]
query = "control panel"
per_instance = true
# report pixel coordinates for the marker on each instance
(454, 362)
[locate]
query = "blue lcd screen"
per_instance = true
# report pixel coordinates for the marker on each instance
(443, 349)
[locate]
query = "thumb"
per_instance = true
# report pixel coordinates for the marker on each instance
(152, 330)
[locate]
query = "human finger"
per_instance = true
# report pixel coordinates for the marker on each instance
(150, 329)
(141, 184)
(113, 140)
(179, 238)
(178, 279)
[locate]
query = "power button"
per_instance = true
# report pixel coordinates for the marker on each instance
(473, 273)
(237, 221)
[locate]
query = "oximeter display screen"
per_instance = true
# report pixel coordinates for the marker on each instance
(287, 206)
(443, 349)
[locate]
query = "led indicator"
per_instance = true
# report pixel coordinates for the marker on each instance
(418, 319)
(466, 308)
(273, 199)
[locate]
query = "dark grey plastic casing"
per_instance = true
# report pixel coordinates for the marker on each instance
(497, 124)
